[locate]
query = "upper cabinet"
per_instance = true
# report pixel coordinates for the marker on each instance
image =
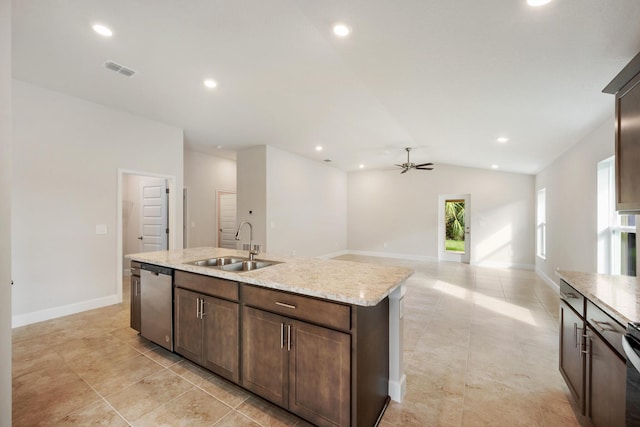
(626, 87)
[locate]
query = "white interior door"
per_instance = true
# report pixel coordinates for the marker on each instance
(226, 220)
(154, 215)
(454, 227)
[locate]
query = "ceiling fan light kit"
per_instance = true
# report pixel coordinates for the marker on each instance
(408, 165)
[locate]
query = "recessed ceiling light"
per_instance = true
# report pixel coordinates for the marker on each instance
(102, 30)
(494, 166)
(537, 3)
(502, 139)
(210, 83)
(361, 166)
(318, 147)
(219, 147)
(341, 30)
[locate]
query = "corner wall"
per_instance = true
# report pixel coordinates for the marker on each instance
(306, 206)
(66, 160)
(5, 213)
(203, 176)
(571, 202)
(397, 215)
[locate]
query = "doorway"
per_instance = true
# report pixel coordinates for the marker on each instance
(152, 219)
(454, 230)
(226, 202)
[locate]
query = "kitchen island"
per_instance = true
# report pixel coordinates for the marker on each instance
(335, 328)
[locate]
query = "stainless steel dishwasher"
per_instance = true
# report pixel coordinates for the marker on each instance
(156, 304)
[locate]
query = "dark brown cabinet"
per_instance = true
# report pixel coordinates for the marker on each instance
(207, 328)
(591, 360)
(626, 87)
(302, 367)
(606, 377)
(324, 361)
(572, 361)
(135, 318)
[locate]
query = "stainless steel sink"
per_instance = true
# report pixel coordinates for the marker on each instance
(232, 263)
(217, 262)
(247, 265)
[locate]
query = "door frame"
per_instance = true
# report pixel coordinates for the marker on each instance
(218, 194)
(171, 220)
(444, 255)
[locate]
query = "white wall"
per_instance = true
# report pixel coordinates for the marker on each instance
(298, 205)
(203, 176)
(66, 157)
(5, 213)
(397, 215)
(571, 201)
(306, 206)
(252, 193)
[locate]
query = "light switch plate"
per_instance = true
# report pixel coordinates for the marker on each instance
(101, 228)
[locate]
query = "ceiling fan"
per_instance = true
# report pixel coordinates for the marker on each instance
(408, 165)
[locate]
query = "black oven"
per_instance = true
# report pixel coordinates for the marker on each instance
(631, 345)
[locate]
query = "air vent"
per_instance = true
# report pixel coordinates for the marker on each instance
(114, 66)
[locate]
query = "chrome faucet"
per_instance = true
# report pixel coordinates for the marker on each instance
(253, 249)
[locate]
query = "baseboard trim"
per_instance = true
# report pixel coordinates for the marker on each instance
(397, 389)
(552, 284)
(506, 265)
(393, 255)
(65, 310)
(333, 254)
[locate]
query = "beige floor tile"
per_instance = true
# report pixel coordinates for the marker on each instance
(236, 419)
(97, 414)
(488, 402)
(266, 414)
(163, 357)
(49, 394)
(193, 408)
(222, 390)
(110, 376)
(148, 394)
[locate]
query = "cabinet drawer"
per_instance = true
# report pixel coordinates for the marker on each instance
(572, 297)
(304, 308)
(605, 326)
(135, 268)
(207, 285)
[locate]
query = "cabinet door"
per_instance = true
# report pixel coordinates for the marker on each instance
(607, 384)
(188, 325)
(572, 362)
(221, 337)
(264, 357)
(319, 374)
(135, 303)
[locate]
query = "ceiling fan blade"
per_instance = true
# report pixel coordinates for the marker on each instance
(424, 164)
(424, 168)
(404, 170)
(400, 166)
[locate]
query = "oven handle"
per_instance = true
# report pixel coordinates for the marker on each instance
(631, 354)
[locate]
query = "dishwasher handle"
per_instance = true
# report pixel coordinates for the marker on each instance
(156, 269)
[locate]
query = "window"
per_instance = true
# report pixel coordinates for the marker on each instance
(616, 233)
(541, 224)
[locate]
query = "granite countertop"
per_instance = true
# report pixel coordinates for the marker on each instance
(343, 281)
(618, 296)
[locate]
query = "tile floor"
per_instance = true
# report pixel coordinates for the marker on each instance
(481, 349)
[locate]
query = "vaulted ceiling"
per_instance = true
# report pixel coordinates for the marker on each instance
(446, 77)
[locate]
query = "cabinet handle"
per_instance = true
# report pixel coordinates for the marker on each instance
(579, 339)
(587, 347)
(202, 313)
(197, 308)
(288, 337)
(575, 335)
(281, 335)
(284, 304)
(569, 295)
